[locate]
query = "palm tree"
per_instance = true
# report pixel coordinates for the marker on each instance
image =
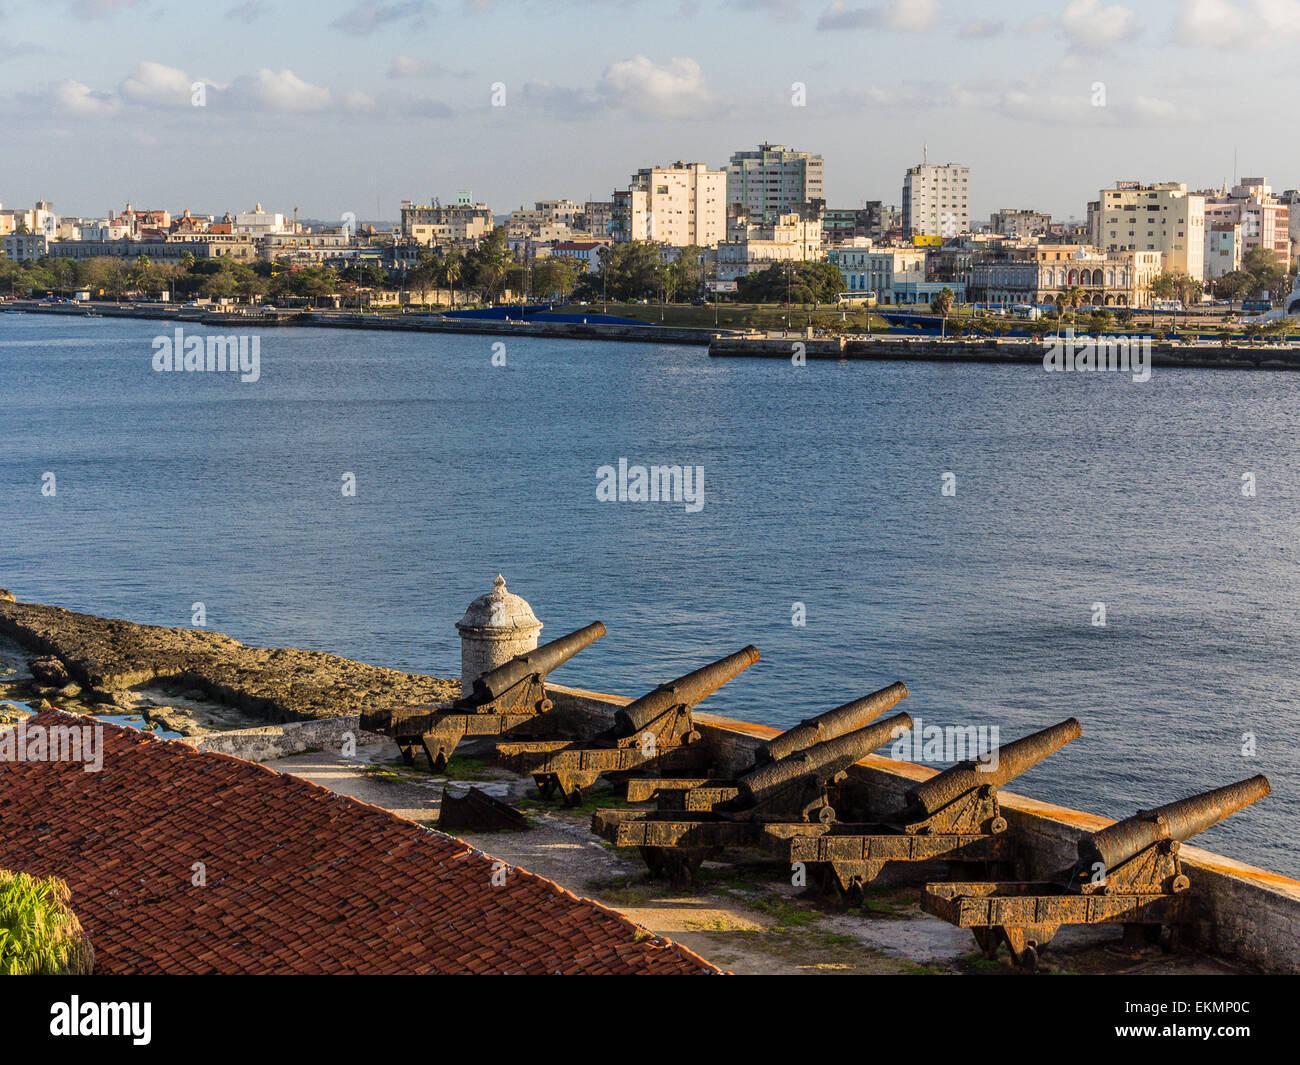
(451, 274)
(1074, 300)
(942, 305)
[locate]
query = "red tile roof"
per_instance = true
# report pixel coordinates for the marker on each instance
(299, 879)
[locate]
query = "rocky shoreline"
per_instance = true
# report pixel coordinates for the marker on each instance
(188, 681)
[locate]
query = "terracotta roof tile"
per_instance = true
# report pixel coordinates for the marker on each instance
(299, 879)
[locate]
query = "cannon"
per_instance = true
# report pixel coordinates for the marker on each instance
(1128, 874)
(655, 731)
(852, 715)
(952, 817)
(791, 795)
(508, 700)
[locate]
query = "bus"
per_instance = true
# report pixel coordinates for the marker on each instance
(856, 299)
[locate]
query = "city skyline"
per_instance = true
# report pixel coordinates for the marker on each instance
(1010, 90)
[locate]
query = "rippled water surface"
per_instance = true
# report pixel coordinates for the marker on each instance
(822, 486)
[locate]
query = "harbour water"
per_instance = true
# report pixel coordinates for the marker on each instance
(822, 488)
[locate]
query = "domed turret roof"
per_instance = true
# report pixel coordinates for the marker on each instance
(499, 610)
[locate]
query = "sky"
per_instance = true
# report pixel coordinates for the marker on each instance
(335, 106)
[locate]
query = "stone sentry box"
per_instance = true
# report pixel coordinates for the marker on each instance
(496, 627)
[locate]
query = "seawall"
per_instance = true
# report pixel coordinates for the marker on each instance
(1237, 356)
(244, 318)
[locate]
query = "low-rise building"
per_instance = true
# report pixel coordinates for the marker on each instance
(38, 219)
(21, 247)
(324, 246)
(1020, 224)
(887, 272)
(1037, 275)
(1223, 248)
(584, 253)
(460, 224)
(753, 244)
(872, 220)
(1263, 218)
(240, 247)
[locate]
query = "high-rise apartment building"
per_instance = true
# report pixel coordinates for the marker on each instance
(1163, 217)
(936, 200)
(774, 180)
(677, 205)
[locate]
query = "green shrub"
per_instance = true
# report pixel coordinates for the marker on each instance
(39, 933)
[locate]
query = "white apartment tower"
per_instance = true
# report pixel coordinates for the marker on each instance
(774, 180)
(936, 200)
(677, 205)
(1163, 217)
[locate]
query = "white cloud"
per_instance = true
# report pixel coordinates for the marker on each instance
(640, 84)
(909, 15)
(156, 85)
(1093, 26)
(74, 98)
(270, 90)
(354, 100)
(1225, 24)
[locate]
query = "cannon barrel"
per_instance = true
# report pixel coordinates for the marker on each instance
(539, 661)
(1012, 759)
(822, 760)
(684, 691)
(837, 722)
(1179, 820)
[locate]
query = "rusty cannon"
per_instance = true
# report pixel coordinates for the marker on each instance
(1128, 874)
(952, 817)
(654, 732)
(508, 700)
(791, 795)
(671, 791)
